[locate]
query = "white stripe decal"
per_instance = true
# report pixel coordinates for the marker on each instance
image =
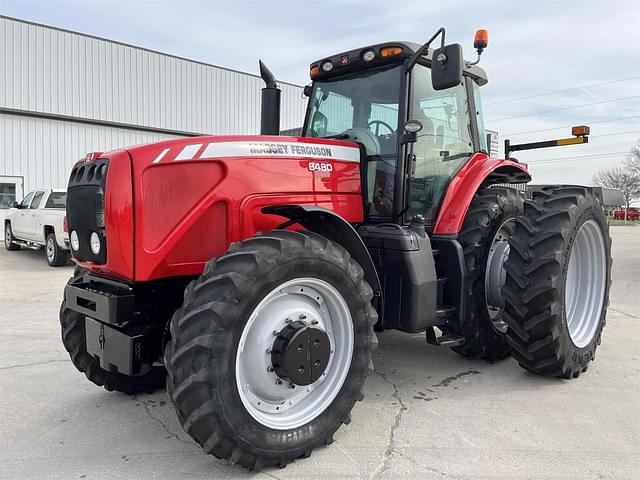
(162, 154)
(281, 149)
(188, 152)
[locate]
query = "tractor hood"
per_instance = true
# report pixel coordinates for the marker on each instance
(171, 206)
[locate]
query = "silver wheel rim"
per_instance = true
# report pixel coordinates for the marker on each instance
(495, 274)
(278, 405)
(7, 236)
(50, 250)
(585, 284)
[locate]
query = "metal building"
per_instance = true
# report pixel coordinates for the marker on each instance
(63, 94)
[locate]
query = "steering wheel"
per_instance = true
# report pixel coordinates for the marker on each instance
(377, 123)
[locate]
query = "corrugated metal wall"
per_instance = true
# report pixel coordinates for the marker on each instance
(49, 71)
(43, 150)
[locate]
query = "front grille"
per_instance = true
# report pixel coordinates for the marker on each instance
(85, 209)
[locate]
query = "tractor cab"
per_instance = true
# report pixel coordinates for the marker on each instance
(370, 95)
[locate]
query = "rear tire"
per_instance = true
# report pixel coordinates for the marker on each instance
(558, 280)
(491, 210)
(209, 345)
(75, 342)
(56, 256)
(8, 238)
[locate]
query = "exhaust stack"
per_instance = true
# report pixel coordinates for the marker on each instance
(270, 110)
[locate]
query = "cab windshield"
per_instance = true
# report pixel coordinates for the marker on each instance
(363, 107)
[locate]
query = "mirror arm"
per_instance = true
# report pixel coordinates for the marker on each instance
(416, 56)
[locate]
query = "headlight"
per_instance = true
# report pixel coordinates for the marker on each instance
(327, 66)
(368, 55)
(75, 243)
(94, 240)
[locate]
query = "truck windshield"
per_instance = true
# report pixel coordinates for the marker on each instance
(363, 106)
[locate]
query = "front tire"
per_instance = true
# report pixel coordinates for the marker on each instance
(75, 342)
(8, 238)
(489, 223)
(558, 280)
(230, 395)
(56, 256)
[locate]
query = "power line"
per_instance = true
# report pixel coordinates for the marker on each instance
(614, 134)
(578, 157)
(569, 126)
(565, 108)
(517, 99)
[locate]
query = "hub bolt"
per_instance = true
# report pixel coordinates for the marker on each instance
(292, 386)
(278, 381)
(314, 322)
(302, 316)
(270, 369)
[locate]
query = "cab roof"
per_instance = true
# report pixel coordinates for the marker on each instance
(350, 61)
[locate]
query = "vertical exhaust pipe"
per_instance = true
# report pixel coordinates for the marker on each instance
(270, 109)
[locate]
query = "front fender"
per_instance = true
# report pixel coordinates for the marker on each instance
(332, 226)
(480, 171)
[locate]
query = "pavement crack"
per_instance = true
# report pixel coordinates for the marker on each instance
(414, 462)
(391, 442)
(623, 313)
(22, 365)
(164, 426)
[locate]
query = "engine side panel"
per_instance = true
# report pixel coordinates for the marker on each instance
(194, 197)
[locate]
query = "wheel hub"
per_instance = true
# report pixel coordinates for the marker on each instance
(300, 353)
(495, 274)
(305, 312)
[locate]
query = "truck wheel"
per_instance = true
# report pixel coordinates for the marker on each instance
(8, 238)
(486, 230)
(270, 350)
(558, 279)
(74, 341)
(56, 256)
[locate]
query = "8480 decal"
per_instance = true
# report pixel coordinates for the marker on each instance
(320, 167)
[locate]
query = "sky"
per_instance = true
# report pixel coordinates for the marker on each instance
(551, 63)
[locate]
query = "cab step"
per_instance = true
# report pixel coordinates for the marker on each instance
(443, 340)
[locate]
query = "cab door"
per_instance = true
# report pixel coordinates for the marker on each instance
(31, 226)
(19, 220)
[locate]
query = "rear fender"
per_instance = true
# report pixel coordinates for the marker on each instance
(335, 228)
(479, 172)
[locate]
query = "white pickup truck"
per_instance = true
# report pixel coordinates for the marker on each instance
(38, 221)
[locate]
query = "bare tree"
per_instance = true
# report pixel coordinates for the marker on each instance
(633, 160)
(621, 178)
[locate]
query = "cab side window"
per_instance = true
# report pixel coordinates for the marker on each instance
(37, 198)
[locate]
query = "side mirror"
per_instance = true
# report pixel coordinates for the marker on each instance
(318, 125)
(14, 205)
(306, 91)
(446, 67)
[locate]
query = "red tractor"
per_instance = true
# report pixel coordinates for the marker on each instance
(250, 273)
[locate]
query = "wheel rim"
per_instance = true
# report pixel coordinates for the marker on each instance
(278, 405)
(585, 284)
(7, 236)
(50, 250)
(495, 274)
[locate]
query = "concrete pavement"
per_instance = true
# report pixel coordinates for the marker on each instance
(428, 413)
